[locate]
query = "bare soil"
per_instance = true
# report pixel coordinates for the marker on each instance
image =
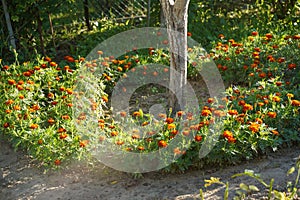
(21, 178)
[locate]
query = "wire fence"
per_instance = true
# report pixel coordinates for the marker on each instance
(119, 9)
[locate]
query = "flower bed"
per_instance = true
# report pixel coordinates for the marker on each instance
(259, 112)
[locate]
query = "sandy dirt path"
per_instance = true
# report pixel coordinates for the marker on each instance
(21, 179)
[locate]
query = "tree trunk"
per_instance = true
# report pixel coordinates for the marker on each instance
(9, 26)
(40, 31)
(176, 16)
(87, 14)
(52, 31)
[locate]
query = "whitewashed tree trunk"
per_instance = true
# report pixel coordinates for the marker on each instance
(176, 17)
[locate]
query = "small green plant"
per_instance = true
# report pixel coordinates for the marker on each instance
(245, 190)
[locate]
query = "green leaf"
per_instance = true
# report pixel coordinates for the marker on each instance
(279, 195)
(244, 187)
(253, 188)
(15, 18)
(211, 181)
(291, 171)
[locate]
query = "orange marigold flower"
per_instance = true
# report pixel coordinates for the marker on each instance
(20, 82)
(186, 132)
(296, 37)
(105, 98)
(276, 99)
(266, 101)
(51, 120)
(180, 113)
(53, 64)
(255, 54)
(19, 87)
(289, 95)
(162, 116)
(259, 121)
(281, 60)
(6, 125)
(69, 91)
(177, 151)
(169, 120)
(136, 114)
(162, 143)
(295, 103)
(262, 75)
(269, 35)
(221, 36)
(219, 113)
(174, 132)
(205, 113)
(63, 136)
(11, 82)
(278, 83)
(145, 123)
(254, 33)
(50, 95)
(120, 142)
(231, 140)
(257, 49)
(247, 107)
(135, 136)
(61, 130)
(65, 117)
(171, 126)
(101, 138)
(141, 148)
(83, 143)
(57, 162)
(241, 103)
(17, 107)
(275, 132)
(227, 134)
(27, 73)
(198, 138)
(34, 126)
(123, 114)
(291, 66)
(47, 59)
(210, 100)
(5, 67)
(114, 133)
(232, 112)
(35, 107)
(69, 104)
(254, 127)
(272, 114)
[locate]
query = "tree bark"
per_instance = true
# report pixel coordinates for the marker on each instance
(87, 14)
(52, 31)
(40, 31)
(9, 26)
(176, 16)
